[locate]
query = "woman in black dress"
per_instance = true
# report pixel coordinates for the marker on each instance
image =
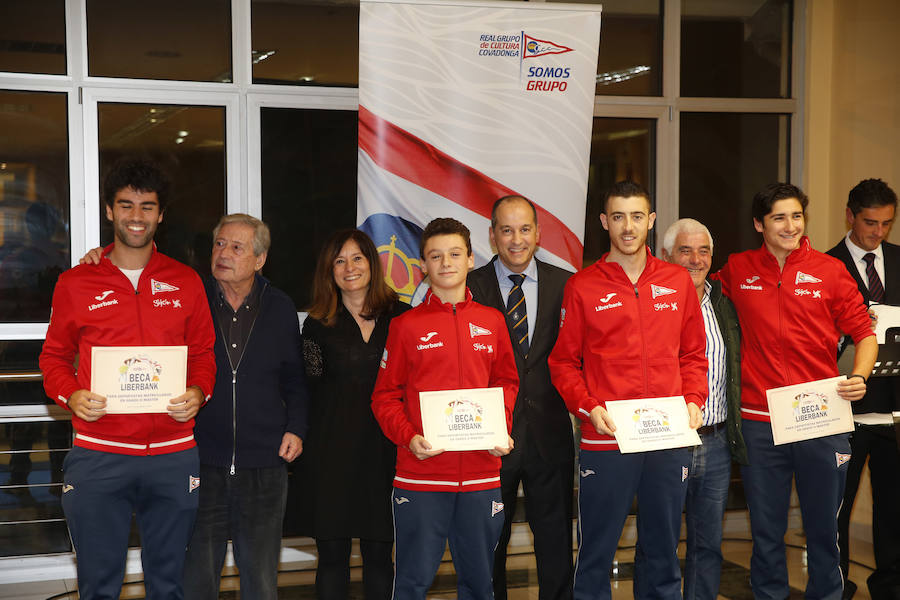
(348, 464)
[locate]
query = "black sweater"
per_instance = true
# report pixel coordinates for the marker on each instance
(244, 422)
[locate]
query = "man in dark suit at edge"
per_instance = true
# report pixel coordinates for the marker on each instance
(529, 292)
(875, 265)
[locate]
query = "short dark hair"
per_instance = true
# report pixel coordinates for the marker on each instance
(445, 226)
(772, 193)
(140, 174)
(870, 193)
(511, 199)
(625, 189)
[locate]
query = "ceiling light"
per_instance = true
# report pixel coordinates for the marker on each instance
(611, 77)
(179, 140)
(260, 55)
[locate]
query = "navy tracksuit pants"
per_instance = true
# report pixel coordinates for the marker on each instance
(819, 468)
(101, 490)
(423, 524)
(608, 482)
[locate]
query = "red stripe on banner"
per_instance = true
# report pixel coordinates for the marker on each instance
(406, 156)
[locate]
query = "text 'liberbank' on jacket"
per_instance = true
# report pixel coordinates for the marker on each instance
(438, 346)
(624, 341)
(96, 305)
(791, 319)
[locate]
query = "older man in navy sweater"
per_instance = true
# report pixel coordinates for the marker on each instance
(254, 424)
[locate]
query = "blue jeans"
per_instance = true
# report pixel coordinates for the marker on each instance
(247, 507)
(819, 468)
(704, 509)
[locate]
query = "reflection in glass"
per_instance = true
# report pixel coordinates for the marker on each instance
(19, 355)
(34, 202)
(725, 159)
(164, 39)
(32, 453)
(630, 61)
(23, 539)
(736, 49)
(620, 149)
(31, 461)
(33, 37)
(189, 143)
(19, 358)
(305, 42)
(308, 189)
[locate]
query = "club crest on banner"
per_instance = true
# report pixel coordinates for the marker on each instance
(535, 47)
(397, 241)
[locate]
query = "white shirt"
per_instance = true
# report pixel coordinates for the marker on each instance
(716, 409)
(133, 275)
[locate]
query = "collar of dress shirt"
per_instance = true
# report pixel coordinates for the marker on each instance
(857, 253)
(503, 272)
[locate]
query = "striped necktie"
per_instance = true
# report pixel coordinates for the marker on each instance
(516, 313)
(876, 290)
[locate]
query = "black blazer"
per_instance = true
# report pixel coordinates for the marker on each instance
(538, 402)
(882, 392)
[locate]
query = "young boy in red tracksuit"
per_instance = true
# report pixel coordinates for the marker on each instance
(447, 342)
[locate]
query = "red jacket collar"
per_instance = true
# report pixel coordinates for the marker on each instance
(108, 249)
(433, 301)
(800, 253)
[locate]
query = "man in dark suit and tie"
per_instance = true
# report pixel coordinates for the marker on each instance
(875, 265)
(530, 293)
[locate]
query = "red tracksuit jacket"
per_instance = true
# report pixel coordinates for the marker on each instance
(623, 341)
(96, 305)
(791, 319)
(438, 346)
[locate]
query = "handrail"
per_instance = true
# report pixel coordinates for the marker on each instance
(19, 376)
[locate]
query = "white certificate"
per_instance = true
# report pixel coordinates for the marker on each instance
(138, 379)
(888, 316)
(652, 424)
(808, 410)
(472, 419)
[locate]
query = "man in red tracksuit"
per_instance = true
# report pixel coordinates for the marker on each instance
(793, 303)
(630, 328)
(121, 464)
(448, 342)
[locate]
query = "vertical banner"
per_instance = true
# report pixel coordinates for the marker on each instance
(461, 103)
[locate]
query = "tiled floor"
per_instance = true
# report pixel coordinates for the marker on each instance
(298, 571)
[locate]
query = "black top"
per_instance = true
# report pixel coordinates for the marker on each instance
(347, 466)
(257, 401)
(235, 325)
